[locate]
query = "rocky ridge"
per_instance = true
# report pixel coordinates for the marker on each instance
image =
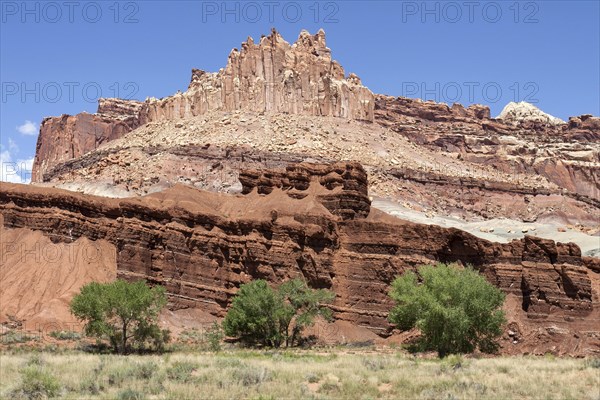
(434, 158)
(313, 221)
(270, 76)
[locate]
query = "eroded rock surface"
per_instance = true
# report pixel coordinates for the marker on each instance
(67, 137)
(271, 76)
(277, 104)
(306, 222)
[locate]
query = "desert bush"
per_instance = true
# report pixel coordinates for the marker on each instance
(13, 337)
(452, 362)
(312, 377)
(117, 377)
(592, 363)
(156, 385)
(375, 364)
(91, 385)
(214, 335)
(248, 376)
(145, 370)
(194, 336)
(36, 359)
(181, 371)
(123, 312)
(455, 308)
(65, 335)
(262, 315)
(131, 394)
(36, 383)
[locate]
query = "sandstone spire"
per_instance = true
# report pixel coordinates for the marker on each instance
(272, 76)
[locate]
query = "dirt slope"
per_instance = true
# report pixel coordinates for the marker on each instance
(38, 278)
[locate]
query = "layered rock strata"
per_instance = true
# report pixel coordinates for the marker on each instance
(314, 223)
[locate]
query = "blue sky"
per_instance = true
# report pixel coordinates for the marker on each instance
(58, 57)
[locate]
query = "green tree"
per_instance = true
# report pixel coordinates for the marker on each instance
(455, 309)
(262, 315)
(123, 312)
(304, 305)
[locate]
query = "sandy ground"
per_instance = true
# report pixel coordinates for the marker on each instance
(504, 230)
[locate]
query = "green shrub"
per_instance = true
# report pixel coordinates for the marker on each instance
(130, 394)
(181, 371)
(36, 383)
(262, 315)
(65, 335)
(214, 335)
(592, 362)
(13, 337)
(123, 312)
(251, 375)
(455, 309)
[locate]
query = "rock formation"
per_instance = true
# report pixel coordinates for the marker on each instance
(272, 76)
(567, 155)
(276, 103)
(67, 137)
(291, 138)
(523, 112)
(310, 221)
(269, 77)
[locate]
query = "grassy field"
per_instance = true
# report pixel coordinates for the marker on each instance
(315, 374)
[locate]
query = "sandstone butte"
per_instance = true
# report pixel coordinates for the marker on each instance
(265, 170)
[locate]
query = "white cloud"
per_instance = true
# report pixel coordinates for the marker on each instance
(18, 171)
(5, 156)
(12, 145)
(28, 128)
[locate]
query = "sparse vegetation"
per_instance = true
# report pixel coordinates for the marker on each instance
(272, 318)
(124, 313)
(181, 371)
(214, 337)
(15, 336)
(592, 363)
(65, 335)
(131, 394)
(455, 309)
(332, 373)
(36, 383)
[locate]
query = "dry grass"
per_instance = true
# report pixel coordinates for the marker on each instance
(329, 374)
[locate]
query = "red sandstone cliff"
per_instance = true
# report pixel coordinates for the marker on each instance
(67, 137)
(312, 221)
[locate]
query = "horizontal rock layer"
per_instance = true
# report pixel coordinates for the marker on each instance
(566, 154)
(202, 246)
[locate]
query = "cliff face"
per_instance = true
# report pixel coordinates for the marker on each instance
(277, 103)
(523, 140)
(67, 137)
(271, 76)
(311, 221)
